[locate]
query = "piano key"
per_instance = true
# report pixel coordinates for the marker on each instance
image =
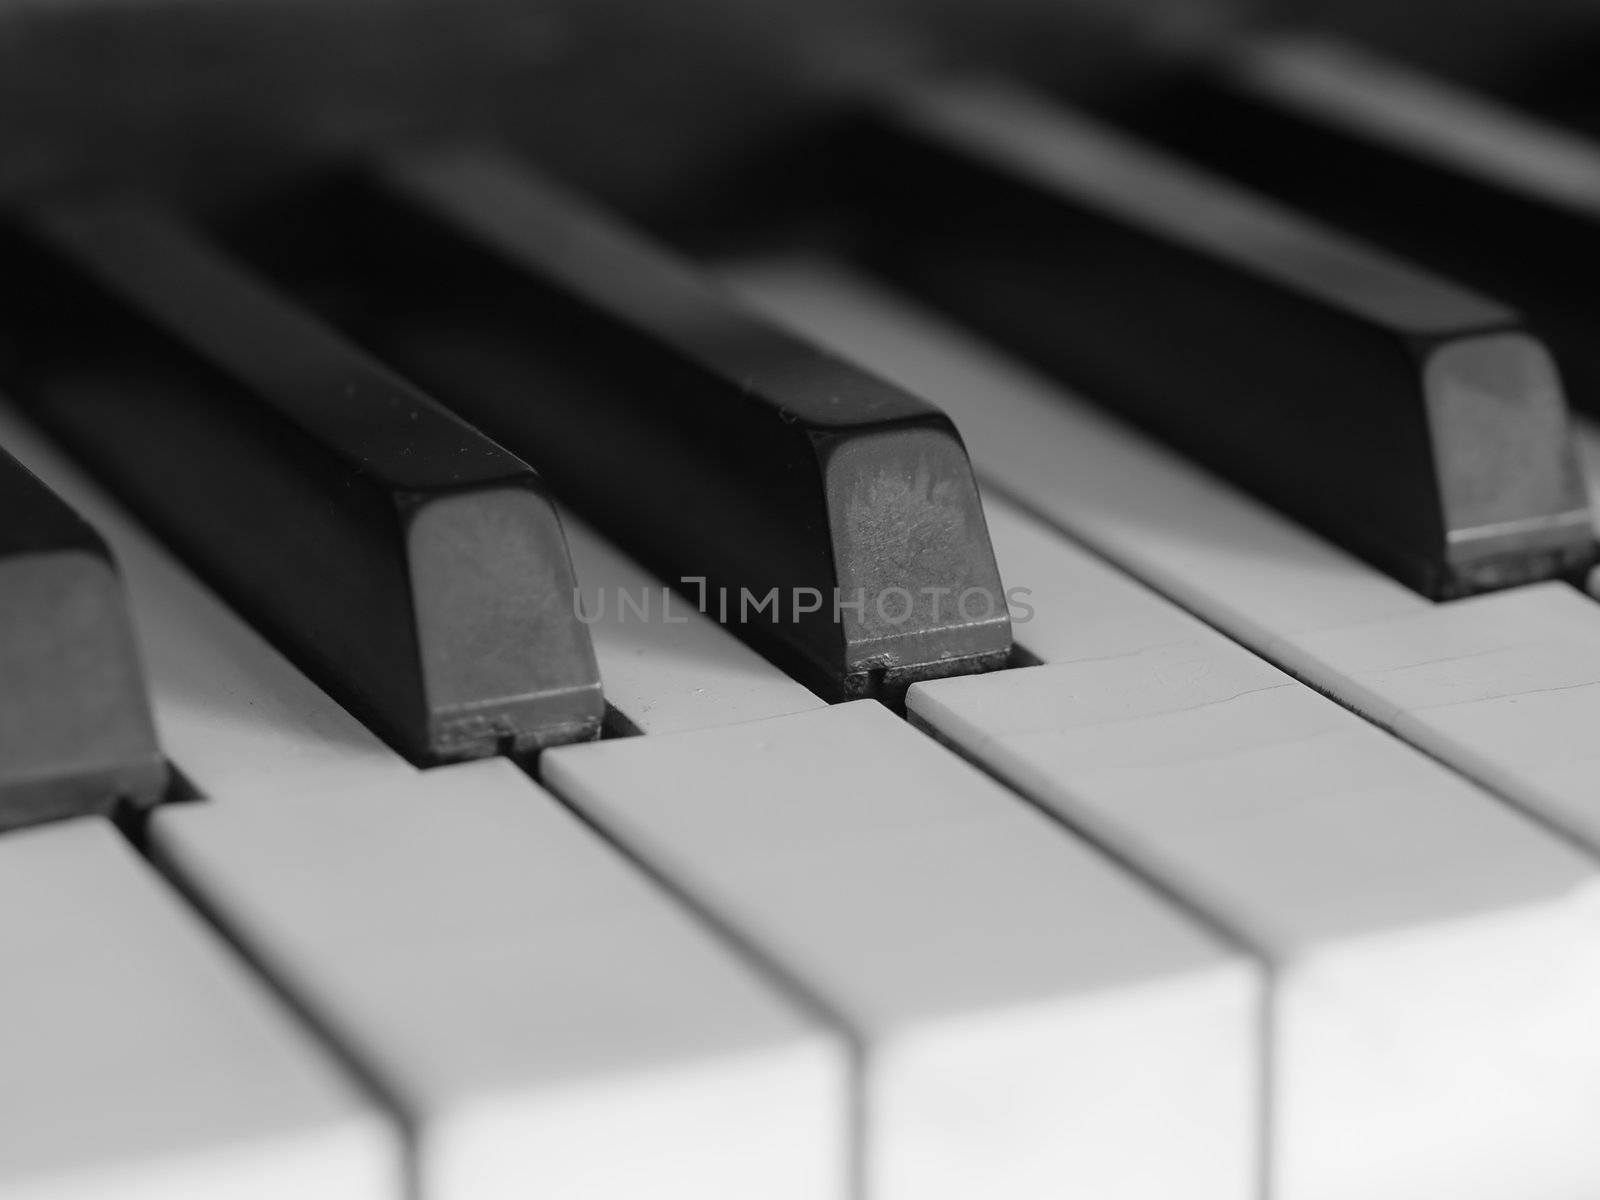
(143, 1061)
(1418, 425)
(1078, 607)
(238, 720)
(1523, 658)
(667, 666)
(413, 568)
(1031, 1021)
(76, 735)
(1472, 187)
(1507, 691)
(1435, 964)
(658, 410)
(1350, 860)
(1182, 529)
(547, 1021)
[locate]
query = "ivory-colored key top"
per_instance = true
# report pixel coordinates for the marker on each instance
(140, 1060)
(667, 666)
(239, 721)
(1032, 1022)
(547, 1020)
(1436, 956)
(1286, 594)
(1071, 604)
(1508, 690)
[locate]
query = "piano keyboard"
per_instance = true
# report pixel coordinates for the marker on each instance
(1079, 682)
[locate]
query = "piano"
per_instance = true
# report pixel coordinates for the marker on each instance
(859, 601)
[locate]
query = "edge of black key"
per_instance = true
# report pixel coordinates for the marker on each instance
(1483, 484)
(584, 320)
(76, 732)
(467, 643)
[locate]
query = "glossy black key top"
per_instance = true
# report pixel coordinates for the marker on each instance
(824, 514)
(75, 730)
(1416, 423)
(1497, 199)
(409, 565)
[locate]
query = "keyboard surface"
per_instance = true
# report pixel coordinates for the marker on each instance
(1044, 643)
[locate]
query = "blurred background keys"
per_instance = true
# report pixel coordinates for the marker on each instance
(1413, 422)
(408, 564)
(759, 475)
(75, 730)
(1492, 196)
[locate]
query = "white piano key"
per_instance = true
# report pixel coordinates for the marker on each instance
(140, 1060)
(239, 721)
(549, 1022)
(1263, 801)
(1286, 594)
(1077, 606)
(665, 665)
(1032, 1021)
(1505, 687)
(1437, 957)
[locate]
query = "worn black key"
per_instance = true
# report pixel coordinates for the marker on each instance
(75, 730)
(409, 565)
(1497, 199)
(1416, 423)
(828, 516)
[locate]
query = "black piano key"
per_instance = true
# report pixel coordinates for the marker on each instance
(409, 565)
(764, 477)
(76, 735)
(1418, 424)
(1497, 199)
